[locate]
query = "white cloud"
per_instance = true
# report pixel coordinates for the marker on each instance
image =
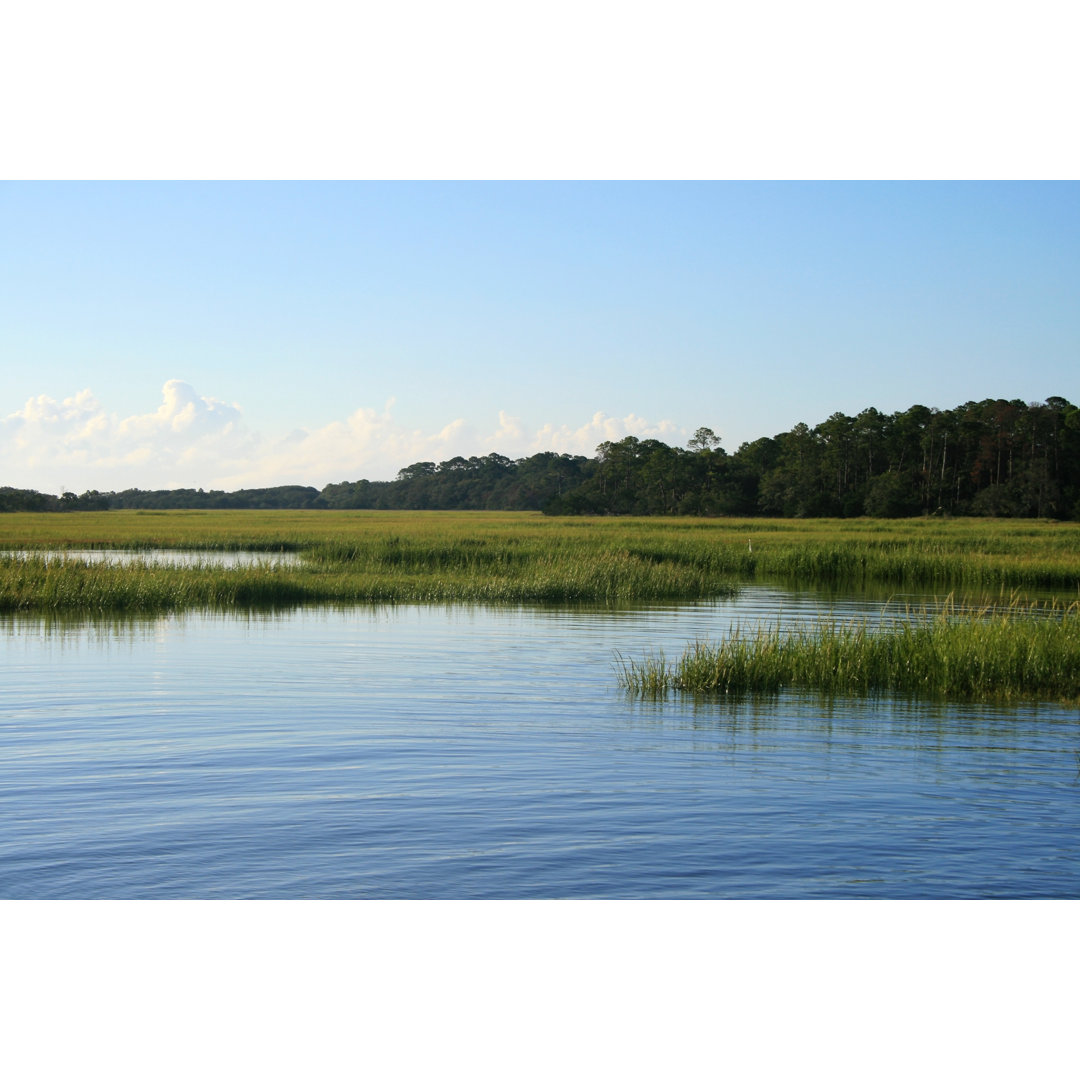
(509, 431)
(192, 440)
(76, 443)
(601, 428)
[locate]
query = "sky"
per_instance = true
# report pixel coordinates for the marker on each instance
(254, 333)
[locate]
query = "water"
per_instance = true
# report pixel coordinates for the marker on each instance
(159, 557)
(489, 752)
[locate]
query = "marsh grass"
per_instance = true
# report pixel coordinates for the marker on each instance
(379, 573)
(407, 556)
(1019, 651)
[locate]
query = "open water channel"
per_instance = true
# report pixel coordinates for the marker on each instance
(468, 752)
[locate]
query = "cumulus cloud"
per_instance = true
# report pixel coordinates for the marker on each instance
(601, 428)
(508, 433)
(76, 443)
(183, 413)
(191, 440)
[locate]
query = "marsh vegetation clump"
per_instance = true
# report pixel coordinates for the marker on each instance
(1016, 651)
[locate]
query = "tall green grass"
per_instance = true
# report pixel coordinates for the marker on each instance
(38, 583)
(1021, 651)
(520, 557)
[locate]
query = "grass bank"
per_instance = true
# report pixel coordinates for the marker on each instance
(38, 583)
(1023, 651)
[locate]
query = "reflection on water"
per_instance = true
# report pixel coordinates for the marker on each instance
(476, 752)
(160, 557)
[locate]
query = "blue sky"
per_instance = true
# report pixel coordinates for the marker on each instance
(256, 333)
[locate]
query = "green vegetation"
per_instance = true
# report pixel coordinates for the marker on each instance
(505, 557)
(346, 558)
(1019, 651)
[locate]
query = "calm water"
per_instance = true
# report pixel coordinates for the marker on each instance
(475, 752)
(160, 557)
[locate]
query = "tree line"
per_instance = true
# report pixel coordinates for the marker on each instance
(993, 458)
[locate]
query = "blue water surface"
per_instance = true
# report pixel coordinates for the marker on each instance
(470, 752)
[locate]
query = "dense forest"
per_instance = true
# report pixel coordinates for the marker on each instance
(992, 458)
